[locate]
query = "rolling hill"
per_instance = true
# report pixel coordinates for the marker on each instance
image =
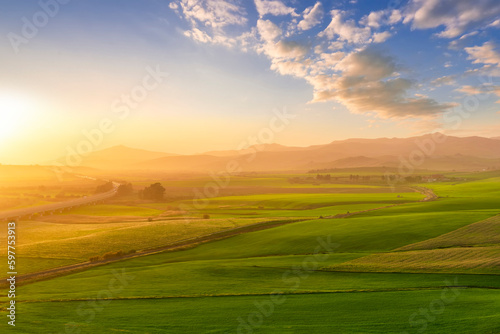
(450, 153)
(119, 156)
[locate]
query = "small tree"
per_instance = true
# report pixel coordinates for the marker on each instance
(104, 187)
(124, 189)
(154, 192)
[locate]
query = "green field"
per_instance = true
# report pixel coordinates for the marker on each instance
(44, 245)
(377, 271)
(374, 312)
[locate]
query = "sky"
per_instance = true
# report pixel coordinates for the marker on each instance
(190, 76)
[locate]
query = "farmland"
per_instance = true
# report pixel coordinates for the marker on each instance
(366, 272)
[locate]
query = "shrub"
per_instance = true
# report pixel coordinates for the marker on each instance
(205, 216)
(111, 255)
(153, 192)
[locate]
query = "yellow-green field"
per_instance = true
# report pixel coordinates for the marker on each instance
(368, 272)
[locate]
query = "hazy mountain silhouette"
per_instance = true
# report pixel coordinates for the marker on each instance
(452, 153)
(119, 156)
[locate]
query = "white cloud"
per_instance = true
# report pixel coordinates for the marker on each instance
(209, 18)
(369, 64)
(289, 67)
(373, 19)
(444, 81)
(457, 16)
(286, 49)
(395, 17)
(469, 90)
(484, 89)
(326, 62)
(460, 43)
(282, 49)
(484, 54)
(273, 7)
(380, 37)
(367, 85)
(268, 30)
(381, 18)
(346, 30)
(336, 45)
(212, 13)
(312, 17)
(364, 80)
(495, 24)
(198, 35)
(386, 99)
(331, 59)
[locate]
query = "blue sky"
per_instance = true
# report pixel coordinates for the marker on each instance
(345, 68)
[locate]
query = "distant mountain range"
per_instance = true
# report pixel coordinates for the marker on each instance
(452, 153)
(118, 156)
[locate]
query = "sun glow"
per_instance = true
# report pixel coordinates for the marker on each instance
(15, 111)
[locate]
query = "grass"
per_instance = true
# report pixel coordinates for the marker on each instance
(114, 210)
(473, 248)
(353, 287)
(471, 311)
(306, 201)
(311, 213)
(94, 230)
(486, 232)
(46, 244)
(452, 260)
(295, 205)
(291, 274)
(354, 234)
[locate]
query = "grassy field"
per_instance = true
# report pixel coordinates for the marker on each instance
(471, 311)
(482, 233)
(114, 210)
(43, 245)
(473, 248)
(94, 230)
(378, 271)
(454, 260)
(295, 205)
(27, 186)
(240, 277)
